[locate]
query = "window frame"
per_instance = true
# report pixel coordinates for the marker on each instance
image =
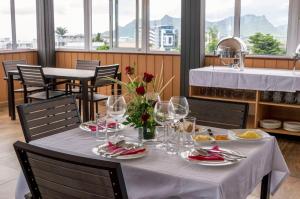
(293, 30)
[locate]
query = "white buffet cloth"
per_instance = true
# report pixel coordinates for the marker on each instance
(251, 78)
(158, 175)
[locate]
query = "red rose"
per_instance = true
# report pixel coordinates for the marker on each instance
(145, 117)
(140, 90)
(148, 77)
(129, 70)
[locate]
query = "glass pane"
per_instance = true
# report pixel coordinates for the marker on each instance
(165, 25)
(69, 25)
(127, 23)
(264, 27)
(5, 33)
(26, 23)
(100, 25)
(219, 22)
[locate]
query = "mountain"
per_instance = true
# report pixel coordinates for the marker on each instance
(250, 24)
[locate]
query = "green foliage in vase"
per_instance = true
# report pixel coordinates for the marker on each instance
(265, 44)
(142, 93)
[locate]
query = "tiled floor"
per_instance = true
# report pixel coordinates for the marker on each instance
(10, 131)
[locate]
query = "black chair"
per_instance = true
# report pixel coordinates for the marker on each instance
(102, 73)
(11, 65)
(48, 117)
(87, 64)
(52, 174)
(33, 76)
(227, 115)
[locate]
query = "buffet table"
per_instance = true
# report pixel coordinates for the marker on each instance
(252, 86)
(158, 175)
(251, 78)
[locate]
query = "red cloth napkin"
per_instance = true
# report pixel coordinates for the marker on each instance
(213, 156)
(113, 148)
(111, 125)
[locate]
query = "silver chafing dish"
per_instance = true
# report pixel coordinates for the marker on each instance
(232, 51)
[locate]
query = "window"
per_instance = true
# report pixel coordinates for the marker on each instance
(264, 27)
(100, 25)
(165, 25)
(219, 22)
(69, 23)
(5, 24)
(126, 16)
(26, 32)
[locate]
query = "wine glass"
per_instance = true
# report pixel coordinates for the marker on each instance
(163, 117)
(116, 108)
(180, 108)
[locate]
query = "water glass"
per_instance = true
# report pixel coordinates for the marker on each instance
(189, 125)
(101, 121)
(173, 139)
(160, 132)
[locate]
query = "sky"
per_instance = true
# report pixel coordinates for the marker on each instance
(69, 13)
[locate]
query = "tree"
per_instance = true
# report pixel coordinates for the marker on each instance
(97, 38)
(212, 37)
(61, 31)
(265, 44)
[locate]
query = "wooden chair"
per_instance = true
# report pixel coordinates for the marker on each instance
(87, 64)
(52, 174)
(48, 117)
(227, 115)
(33, 76)
(10, 65)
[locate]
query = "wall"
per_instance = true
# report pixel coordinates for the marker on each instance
(145, 63)
(30, 56)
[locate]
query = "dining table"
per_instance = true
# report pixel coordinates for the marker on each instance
(159, 175)
(84, 76)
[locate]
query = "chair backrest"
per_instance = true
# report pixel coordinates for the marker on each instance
(102, 74)
(32, 75)
(48, 117)
(10, 65)
(52, 174)
(87, 64)
(227, 115)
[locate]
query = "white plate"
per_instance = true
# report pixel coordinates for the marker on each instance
(291, 126)
(84, 127)
(95, 150)
(270, 124)
(238, 131)
(216, 132)
(185, 156)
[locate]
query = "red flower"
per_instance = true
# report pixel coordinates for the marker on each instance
(140, 90)
(129, 70)
(145, 117)
(148, 77)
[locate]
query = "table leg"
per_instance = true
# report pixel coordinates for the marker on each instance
(85, 101)
(11, 96)
(265, 187)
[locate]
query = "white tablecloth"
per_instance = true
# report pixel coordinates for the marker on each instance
(159, 175)
(250, 78)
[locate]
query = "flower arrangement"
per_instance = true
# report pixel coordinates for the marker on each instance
(143, 92)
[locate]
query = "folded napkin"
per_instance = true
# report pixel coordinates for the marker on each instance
(112, 148)
(212, 156)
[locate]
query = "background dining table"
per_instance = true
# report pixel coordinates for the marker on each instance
(84, 76)
(159, 175)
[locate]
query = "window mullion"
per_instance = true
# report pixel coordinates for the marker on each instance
(293, 37)
(145, 25)
(111, 24)
(87, 12)
(137, 23)
(237, 18)
(116, 24)
(13, 24)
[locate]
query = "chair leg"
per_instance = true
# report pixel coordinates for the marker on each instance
(97, 109)
(79, 102)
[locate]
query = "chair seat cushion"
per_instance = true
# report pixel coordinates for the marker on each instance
(42, 95)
